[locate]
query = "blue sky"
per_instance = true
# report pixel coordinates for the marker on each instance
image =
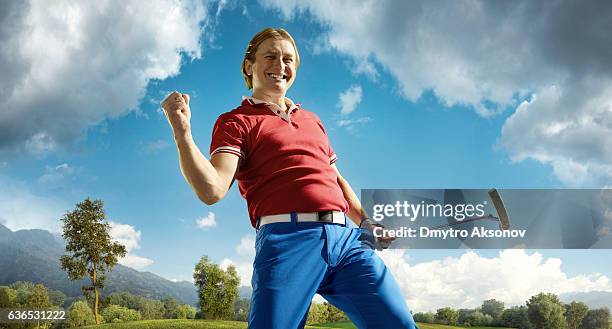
(436, 103)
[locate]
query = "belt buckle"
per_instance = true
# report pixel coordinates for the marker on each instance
(325, 216)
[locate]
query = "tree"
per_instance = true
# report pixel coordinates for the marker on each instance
(474, 318)
(493, 308)
(185, 312)
(80, 314)
(425, 317)
(242, 308)
(151, 309)
(447, 315)
(57, 297)
(317, 313)
(217, 289)
(574, 313)
(170, 305)
(39, 299)
(125, 299)
(546, 311)
(463, 315)
(597, 319)
(334, 314)
(229, 292)
(8, 297)
(24, 291)
(516, 317)
(90, 249)
(116, 313)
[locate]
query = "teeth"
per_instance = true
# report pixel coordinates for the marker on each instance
(276, 77)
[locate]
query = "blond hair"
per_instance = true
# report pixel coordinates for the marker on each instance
(260, 37)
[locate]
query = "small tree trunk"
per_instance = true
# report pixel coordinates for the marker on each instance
(96, 294)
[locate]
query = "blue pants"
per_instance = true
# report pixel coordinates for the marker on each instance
(296, 260)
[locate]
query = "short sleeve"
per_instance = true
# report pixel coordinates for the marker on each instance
(330, 151)
(228, 136)
(332, 155)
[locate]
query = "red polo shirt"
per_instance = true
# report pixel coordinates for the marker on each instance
(286, 158)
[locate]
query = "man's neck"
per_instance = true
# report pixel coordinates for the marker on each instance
(276, 99)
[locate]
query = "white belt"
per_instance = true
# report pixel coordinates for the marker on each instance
(335, 217)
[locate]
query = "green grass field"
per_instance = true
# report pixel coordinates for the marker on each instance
(188, 324)
(349, 325)
(440, 326)
(210, 324)
(173, 324)
(340, 325)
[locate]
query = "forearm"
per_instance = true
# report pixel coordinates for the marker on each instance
(197, 170)
(356, 211)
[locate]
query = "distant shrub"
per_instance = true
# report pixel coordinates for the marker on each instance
(317, 314)
(80, 314)
(149, 309)
(241, 309)
(447, 315)
(8, 297)
(477, 318)
(116, 313)
(185, 312)
(425, 317)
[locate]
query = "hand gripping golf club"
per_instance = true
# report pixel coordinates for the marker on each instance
(503, 219)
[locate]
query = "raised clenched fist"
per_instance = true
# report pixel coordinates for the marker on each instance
(176, 109)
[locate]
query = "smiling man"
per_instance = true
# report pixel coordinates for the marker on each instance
(298, 202)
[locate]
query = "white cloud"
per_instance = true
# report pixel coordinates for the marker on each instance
(489, 56)
(135, 261)
(353, 122)
(349, 99)
(128, 236)
(244, 270)
(157, 145)
(57, 173)
(246, 248)
(40, 144)
(244, 264)
(207, 222)
(23, 208)
(575, 139)
(513, 276)
(182, 280)
(97, 60)
(347, 102)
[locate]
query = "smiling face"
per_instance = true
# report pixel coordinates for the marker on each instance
(274, 68)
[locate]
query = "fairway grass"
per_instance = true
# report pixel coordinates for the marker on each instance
(186, 324)
(172, 324)
(212, 324)
(349, 325)
(441, 326)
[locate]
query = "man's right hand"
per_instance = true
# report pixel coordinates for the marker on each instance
(176, 109)
(369, 240)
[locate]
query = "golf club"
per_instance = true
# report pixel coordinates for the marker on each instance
(503, 219)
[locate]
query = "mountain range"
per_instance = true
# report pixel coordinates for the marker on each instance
(593, 299)
(33, 255)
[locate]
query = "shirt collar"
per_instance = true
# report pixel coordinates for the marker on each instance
(254, 101)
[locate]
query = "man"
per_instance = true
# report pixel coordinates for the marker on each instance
(285, 167)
